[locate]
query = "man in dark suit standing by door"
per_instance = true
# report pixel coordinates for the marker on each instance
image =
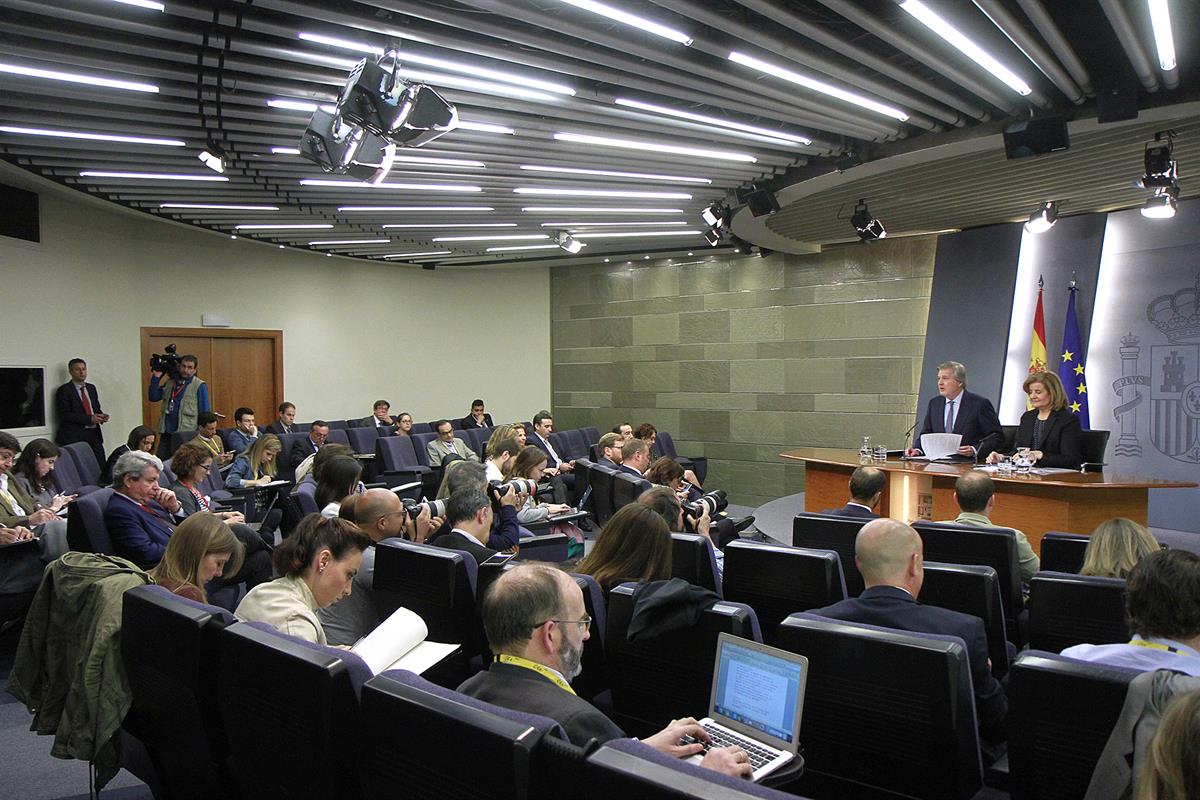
(955, 410)
(77, 404)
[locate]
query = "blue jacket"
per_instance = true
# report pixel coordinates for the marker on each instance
(138, 536)
(240, 471)
(240, 442)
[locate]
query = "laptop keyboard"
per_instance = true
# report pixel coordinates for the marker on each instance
(758, 754)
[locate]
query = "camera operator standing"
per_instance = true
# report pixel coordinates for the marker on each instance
(183, 395)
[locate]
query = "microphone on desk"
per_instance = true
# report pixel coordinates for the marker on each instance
(908, 435)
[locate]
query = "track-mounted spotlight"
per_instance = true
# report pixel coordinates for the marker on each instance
(867, 227)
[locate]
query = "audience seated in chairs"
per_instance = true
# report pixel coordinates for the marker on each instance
(609, 448)
(140, 438)
(536, 625)
(506, 530)
(22, 568)
(1115, 547)
(317, 563)
(141, 514)
(34, 474)
(543, 426)
(498, 459)
(245, 432)
(469, 517)
(311, 466)
(478, 418)
(257, 465)
(975, 494)
(285, 419)
(27, 499)
(304, 449)
(380, 515)
(502, 433)
(530, 464)
(634, 545)
(380, 418)
(1162, 605)
(889, 554)
(404, 424)
(202, 549)
(866, 490)
(446, 445)
(1171, 769)
(635, 457)
(206, 435)
(339, 478)
(665, 502)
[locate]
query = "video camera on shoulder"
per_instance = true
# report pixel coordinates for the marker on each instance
(166, 362)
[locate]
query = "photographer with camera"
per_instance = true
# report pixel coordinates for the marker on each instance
(506, 531)
(663, 501)
(183, 395)
(702, 510)
(379, 514)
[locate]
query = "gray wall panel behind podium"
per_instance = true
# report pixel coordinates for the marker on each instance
(970, 304)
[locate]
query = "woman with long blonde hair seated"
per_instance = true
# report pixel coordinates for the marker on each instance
(1115, 548)
(202, 549)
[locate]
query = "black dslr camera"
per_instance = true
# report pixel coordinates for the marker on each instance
(166, 362)
(713, 502)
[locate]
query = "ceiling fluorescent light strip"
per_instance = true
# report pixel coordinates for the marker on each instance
(655, 147)
(641, 23)
(645, 224)
(1164, 41)
(483, 127)
(516, 248)
(154, 176)
(339, 242)
(455, 209)
(217, 207)
(416, 187)
(632, 234)
(286, 151)
(428, 225)
(817, 86)
(414, 255)
(98, 137)
(723, 123)
(614, 193)
(514, 237)
(150, 4)
(300, 105)
(613, 174)
(929, 18)
(74, 77)
(597, 210)
(284, 227)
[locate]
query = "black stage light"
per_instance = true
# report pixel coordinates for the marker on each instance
(867, 227)
(715, 215)
(410, 114)
(1161, 171)
(1043, 219)
(1163, 204)
(713, 236)
(214, 157)
(329, 142)
(568, 242)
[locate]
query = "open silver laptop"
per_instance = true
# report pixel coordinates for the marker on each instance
(756, 702)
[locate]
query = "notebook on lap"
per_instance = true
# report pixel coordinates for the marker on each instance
(756, 702)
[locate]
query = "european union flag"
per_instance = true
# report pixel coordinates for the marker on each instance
(1070, 365)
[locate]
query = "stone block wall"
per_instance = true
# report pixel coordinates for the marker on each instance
(742, 357)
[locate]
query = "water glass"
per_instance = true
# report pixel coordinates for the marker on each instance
(880, 454)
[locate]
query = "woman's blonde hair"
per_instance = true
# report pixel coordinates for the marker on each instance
(499, 434)
(196, 537)
(1058, 395)
(1115, 547)
(254, 453)
(1171, 770)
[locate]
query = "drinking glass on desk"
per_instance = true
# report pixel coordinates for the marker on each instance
(1004, 466)
(1022, 461)
(880, 454)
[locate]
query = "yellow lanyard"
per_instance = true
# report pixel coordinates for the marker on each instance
(1154, 645)
(544, 671)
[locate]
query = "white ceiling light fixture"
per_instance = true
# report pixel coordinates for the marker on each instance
(150, 4)
(288, 226)
(75, 77)
(340, 242)
(818, 86)
(957, 39)
(484, 127)
(1164, 41)
(1162, 204)
(650, 223)
(415, 255)
(655, 147)
(415, 187)
(613, 193)
(517, 248)
(513, 237)
(151, 176)
(641, 23)
(456, 209)
(597, 210)
(568, 242)
(217, 207)
(439, 226)
(344, 44)
(1043, 219)
(300, 105)
(285, 151)
(96, 137)
(433, 161)
(476, 85)
(214, 157)
(634, 234)
(614, 174)
(787, 138)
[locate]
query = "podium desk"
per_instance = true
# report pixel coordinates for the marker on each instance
(1076, 501)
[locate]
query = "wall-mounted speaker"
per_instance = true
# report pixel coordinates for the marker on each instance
(21, 217)
(1035, 137)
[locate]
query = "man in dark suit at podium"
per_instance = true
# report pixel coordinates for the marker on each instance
(890, 556)
(866, 490)
(79, 414)
(955, 410)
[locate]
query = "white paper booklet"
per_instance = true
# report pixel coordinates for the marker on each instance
(399, 643)
(940, 445)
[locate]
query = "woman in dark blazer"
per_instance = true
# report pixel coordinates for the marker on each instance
(1050, 430)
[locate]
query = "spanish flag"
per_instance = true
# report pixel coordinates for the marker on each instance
(1037, 349)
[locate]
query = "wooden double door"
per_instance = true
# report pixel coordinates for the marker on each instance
(241, 368)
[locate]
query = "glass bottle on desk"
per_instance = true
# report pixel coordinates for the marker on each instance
(864, 451)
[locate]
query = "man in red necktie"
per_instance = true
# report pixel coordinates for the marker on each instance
(77, 404)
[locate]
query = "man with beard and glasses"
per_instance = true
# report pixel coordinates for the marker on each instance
(536, 625)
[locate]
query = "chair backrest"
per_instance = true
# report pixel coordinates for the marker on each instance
(583, 477)
(436, 583)
(777, 580)
(291, 713)
(602, 479)
(1010, 438)
(362, 439)
(657, 679)
(819, 532)
(666, 443)
(420, 443)
(396, 453)
(66, 476)
(334, 424)
(306, 497)
(558, 440)
(421, 427)
(175, 440)
(627, 489)
(1060, 714)
(885, 710)
(225, 434)
(175, 710)
(594, 678)
(475, 438)
(973, 590)
(1092, 446)
(86, 465)
(590, 435)
(166, 476)
(339, 435)
(504, 746)
(991, 547)
(624, 768)
(1066, 610)
(692, 559)
(577, 446)
(86, 531)
(1063, 552)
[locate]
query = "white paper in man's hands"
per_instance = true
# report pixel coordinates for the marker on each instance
(940, 445)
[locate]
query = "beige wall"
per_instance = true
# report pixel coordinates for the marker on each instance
(429, 342)
(741, 358)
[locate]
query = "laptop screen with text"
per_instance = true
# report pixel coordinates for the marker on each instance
(759, 689)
